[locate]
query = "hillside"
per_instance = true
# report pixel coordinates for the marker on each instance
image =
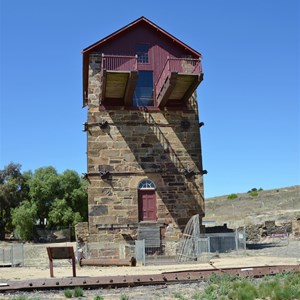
(280, 205)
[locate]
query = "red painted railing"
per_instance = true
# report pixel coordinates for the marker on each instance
(119, 63)
(179, 65)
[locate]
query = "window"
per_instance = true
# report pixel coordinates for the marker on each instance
(143, 94)
(146, 184)
(142, 53)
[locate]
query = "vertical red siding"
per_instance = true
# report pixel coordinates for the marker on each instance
(159, 47)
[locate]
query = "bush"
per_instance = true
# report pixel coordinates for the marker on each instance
(68, 293)
(232, 196)
(178, 295)
(98, 298)
(78, 292)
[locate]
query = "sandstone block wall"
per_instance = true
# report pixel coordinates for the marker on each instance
(136, 145)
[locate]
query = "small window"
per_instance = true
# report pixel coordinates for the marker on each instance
(146, 184)
(142, 53)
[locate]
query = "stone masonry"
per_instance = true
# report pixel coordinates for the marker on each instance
(136, 144)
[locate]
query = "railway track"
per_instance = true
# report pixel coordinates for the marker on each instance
(186, 276)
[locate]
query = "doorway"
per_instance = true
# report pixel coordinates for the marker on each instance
(147, 207)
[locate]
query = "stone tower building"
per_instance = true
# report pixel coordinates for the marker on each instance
(144, 164)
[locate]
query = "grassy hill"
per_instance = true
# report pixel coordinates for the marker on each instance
(254, 207)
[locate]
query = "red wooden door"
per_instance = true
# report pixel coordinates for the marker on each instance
(147, 205)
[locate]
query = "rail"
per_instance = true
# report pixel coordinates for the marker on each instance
(119, 62)
(187, 66)
(173, 277)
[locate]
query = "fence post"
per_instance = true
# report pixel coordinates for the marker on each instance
(23, 255)
(140, 251)
(237, 241)
(12, 255)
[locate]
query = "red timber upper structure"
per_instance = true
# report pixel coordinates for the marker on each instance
(143, 65)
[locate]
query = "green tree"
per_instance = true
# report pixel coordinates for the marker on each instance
(45, 187)
(79, 200)
(75, 192)
(13, 189)
(52, 191)
(61, 214)
(69, 181)
(43, 194)
(23, 218)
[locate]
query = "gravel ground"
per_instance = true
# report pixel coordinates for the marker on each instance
(267, 252)
(165, 292)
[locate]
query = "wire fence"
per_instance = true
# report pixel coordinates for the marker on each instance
(156, 252)
(16, 254)
(152, 252)
(12, 255)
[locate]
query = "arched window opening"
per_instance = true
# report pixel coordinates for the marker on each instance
(147, 185)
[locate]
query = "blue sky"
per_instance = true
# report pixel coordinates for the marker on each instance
(249, 99)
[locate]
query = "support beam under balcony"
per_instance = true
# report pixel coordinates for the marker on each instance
(117, 87)
(178, 87)
(131, 84)
(167, 89)
(188, 94)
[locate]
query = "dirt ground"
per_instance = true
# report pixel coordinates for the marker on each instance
(22, 273)
(265, 253)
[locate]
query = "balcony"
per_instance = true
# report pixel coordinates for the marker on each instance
(175, 85)
(118, 79)
(178, 80)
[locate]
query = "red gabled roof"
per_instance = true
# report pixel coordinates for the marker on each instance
(134, 23)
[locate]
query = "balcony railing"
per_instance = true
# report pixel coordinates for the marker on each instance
(180, 65)
(119, 63)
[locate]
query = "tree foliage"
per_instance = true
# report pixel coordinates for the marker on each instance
(61, 214)
(48, 189)
(13, 189)
(44, 188)
(23, 218)
(32, 197)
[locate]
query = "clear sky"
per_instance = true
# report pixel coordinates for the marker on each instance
(249, 99)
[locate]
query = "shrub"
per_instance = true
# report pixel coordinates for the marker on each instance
(232, 196)
(78, 292)
(197, 296)
(254, 191)
(124, 297)
(178, 295)
(68, 293)
(98, 298)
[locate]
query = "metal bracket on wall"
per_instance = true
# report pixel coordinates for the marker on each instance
(102, 124)
(104, 173)
(85, 127)
(188, 173)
